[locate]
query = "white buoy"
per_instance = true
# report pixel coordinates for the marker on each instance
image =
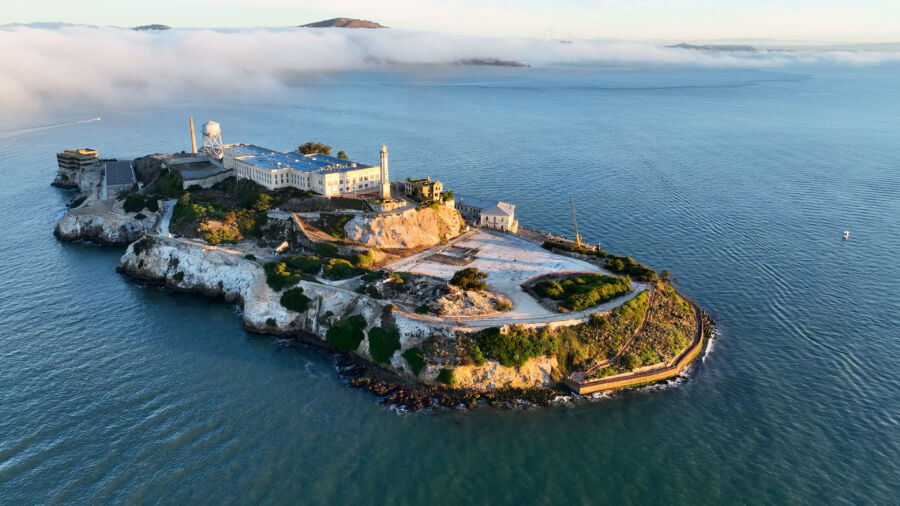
(846, 234)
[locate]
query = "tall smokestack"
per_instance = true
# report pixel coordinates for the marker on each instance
(193, 139)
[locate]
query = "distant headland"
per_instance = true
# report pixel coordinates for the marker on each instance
(343, 23)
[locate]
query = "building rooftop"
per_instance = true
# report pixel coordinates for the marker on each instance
(304, 163)
(80, 153)
(490, 207)
(119, 173)
(249, 149)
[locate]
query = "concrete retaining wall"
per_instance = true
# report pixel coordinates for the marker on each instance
(623, 381)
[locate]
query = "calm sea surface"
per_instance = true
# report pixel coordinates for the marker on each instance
(740, 182)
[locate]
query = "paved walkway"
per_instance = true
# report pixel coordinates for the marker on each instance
(509, 261)
(163, 226)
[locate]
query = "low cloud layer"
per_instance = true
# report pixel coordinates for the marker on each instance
(49, 67)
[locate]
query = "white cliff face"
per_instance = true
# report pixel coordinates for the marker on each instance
(103, 221)
(413, 228)
(190, 267)
(84, 181)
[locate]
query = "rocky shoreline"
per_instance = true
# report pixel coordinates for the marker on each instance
(415, 397)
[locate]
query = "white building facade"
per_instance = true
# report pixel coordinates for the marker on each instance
(318, 173)
(492, 214)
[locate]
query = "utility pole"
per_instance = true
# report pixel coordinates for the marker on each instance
(575, 221)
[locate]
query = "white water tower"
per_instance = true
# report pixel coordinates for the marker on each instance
(212, 140)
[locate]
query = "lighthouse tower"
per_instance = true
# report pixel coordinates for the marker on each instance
(385, 179)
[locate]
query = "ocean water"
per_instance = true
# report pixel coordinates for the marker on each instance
(738, 181)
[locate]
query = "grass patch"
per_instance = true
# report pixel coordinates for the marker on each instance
(423, 309)
(347, 335)
(415, 359)
(383, 342)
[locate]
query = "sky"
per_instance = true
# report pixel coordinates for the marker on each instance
(829, 21)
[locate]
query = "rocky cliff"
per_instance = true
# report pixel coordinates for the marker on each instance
(185, 266)
(85, 181)
(103, 221)
(414, 228)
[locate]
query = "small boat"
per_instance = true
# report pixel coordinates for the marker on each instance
(846, 234)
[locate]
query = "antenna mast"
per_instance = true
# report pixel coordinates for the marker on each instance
(575, 221)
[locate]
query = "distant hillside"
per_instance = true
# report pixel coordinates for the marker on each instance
(152, 27)
(343, 23)
(714, 47)
(493, 62)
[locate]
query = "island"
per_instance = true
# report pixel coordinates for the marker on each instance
(343, 23)
(431, 298)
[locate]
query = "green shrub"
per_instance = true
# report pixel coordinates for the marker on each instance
(383, 342)
(333, 224)
(415, 359)
(170, 184)
(140, 216)
(423, 309)
(250, 256)
(627, 265)
(151, 204)
(327, 250)
(515, 347)
(551, 289)
(469, 278)
(362, 259)
(263, 202)
(343, 155)
(307, 264)
(294, 300)
(77, 202)
(504, 306)
(631, 361)
(585, 290)
(220, 236)
(567, 246)
(133, 203)
(347, 335)
(475, 353)
(271, 322)
(337, 268)
(278, 276)
(446, 377)
(247, 192)
(178, 276)
(372, 276)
